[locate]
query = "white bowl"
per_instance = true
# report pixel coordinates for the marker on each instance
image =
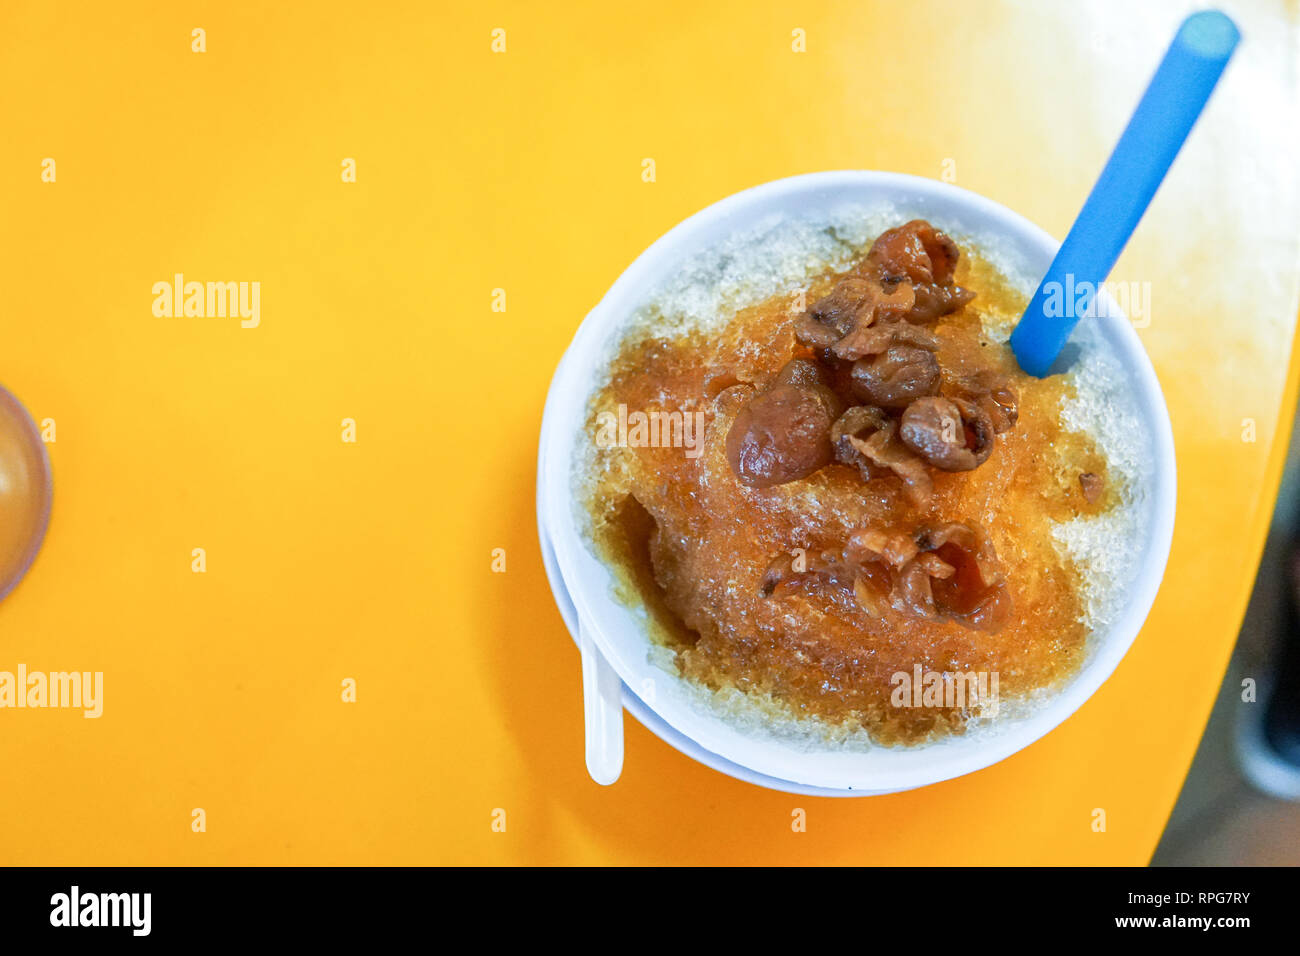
(583, 584)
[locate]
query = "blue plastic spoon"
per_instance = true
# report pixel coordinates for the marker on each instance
(1178, 92)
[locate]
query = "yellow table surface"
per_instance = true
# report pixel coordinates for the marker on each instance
(371, 560)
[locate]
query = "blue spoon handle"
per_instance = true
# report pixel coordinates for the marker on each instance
(1169, 108)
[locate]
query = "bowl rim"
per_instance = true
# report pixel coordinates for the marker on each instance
(708, 731)
(656, 724)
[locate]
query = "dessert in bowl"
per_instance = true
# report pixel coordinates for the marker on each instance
(813, 514)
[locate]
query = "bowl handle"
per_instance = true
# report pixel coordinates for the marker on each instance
(602, 707)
